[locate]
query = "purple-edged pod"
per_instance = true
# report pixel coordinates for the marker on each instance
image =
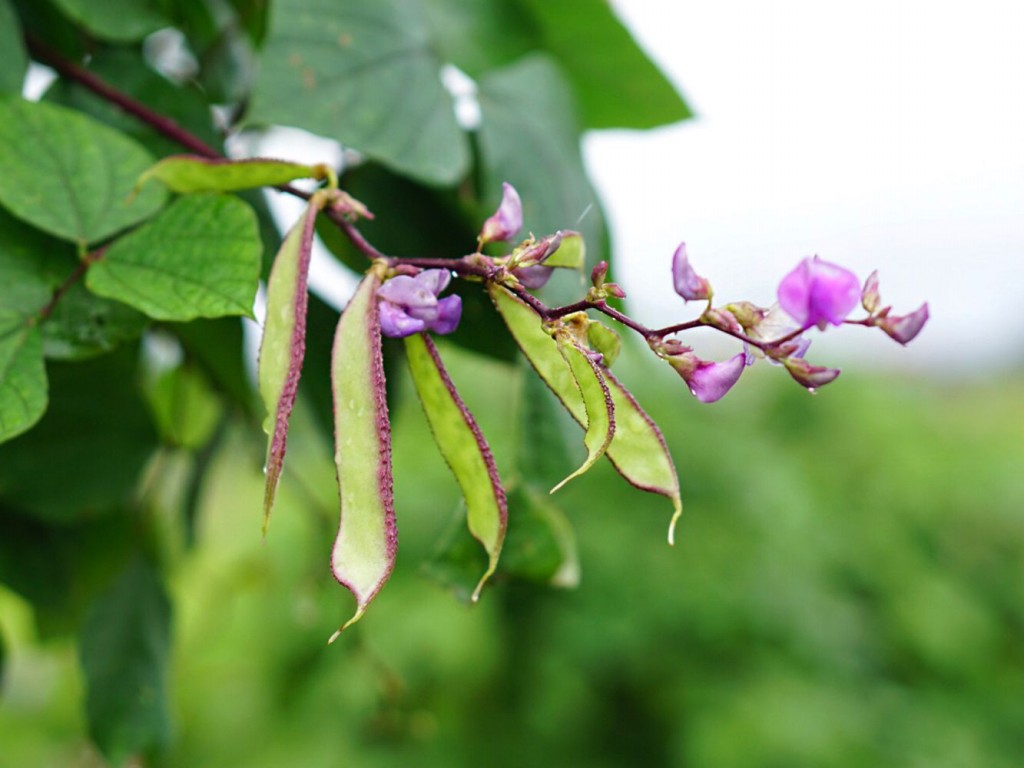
(192, 173)
(463, 447)
(597, 401)
(364, 551)
(637, 449)
(284, 344)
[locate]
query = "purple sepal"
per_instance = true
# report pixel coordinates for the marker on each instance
(819, 293)
(904, 328)
(505, 222)
(533, 277)
(688, 283)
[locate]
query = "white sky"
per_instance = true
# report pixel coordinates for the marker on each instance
(876, 134)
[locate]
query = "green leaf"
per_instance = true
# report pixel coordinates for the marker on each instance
(284, 345)
(199, 258)
(637, 449)
(84, 457)
(13, 60)
(22, 381)
(597, 402)
(83, 324)
(190, 173)
(570, 254)
(125, 648)
(363, 72)
(616, 85)
(364, 550)
(481, 35)
(69, 175)
(529, 137)
(117, 20)
(463, 447)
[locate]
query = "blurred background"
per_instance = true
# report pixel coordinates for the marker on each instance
(847, 586)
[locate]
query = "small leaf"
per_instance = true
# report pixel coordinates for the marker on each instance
(460, 441)
(191, 173)
(118, 20)
(364, 72)
(125, 647)
(571, 252)
(637, 449)
(70, 175)
(22, 380)
(198, 258)
(284, 344)
(597, 400)
(604, 340)
(364, 550)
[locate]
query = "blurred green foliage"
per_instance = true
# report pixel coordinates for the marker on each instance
(847, 589)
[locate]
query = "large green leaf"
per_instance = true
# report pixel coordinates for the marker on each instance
(22, 380)
(84, 457)
(530, 138)
(364, 550)
(125, 648)
(119, 20)
(199, 258)
(463, 447)
(70, 175)
(363, 72)
(481, 35)
(13, 60)
(616, 85)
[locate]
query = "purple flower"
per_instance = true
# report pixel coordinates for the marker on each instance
(688, 283)
(818, 293)
(506, 221)
(708, 381)
(904, 328)
(409, 305)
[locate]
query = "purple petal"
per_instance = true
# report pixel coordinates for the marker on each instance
(688, 283)
(434, 280)
(818, 293)
(449, 312)
(507, 220)
(869, 296)
(710, 381)
(903, 329)
(395, 323)
(408, 291)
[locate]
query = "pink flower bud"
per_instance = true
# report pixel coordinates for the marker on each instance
(688, 283)
(533, 277)
(614, 289)
(903, 329)
(818, 293)
(869, 296)
(722, 319)
(810, 376)
(708, 381)
(505, 222)
(599, 274)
